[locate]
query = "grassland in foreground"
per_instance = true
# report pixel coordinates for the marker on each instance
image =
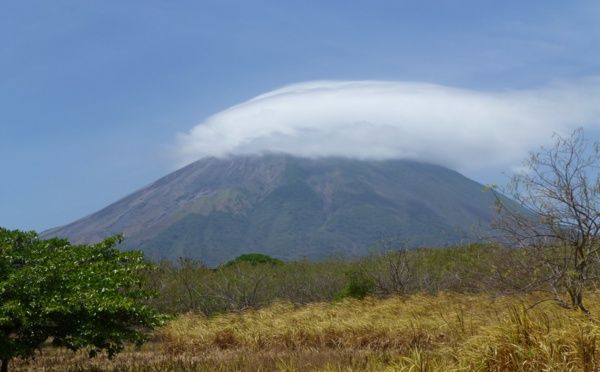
(443, 332)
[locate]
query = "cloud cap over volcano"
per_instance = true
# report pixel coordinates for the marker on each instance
(458, 128)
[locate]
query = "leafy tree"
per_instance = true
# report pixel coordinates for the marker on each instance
(80, 296)
(359, 286)
(557, 224)
(254, 259)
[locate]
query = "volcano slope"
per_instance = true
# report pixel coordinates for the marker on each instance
(290, 208)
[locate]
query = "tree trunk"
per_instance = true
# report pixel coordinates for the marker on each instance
(580, 303)
(4, 367)
(582, 308)
(577, 300)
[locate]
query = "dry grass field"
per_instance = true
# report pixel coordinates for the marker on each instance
(443, 332)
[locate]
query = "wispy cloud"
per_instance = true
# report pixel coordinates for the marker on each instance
(459, 128)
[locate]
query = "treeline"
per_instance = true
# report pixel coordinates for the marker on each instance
(190, 286)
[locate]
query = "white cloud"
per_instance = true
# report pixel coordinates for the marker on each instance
(463, 129)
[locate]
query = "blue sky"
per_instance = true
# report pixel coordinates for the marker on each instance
(100, 98)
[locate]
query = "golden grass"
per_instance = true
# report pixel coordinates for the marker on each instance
(446, 332)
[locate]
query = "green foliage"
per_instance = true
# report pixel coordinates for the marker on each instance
(190, 286)
(80, 296)
(359, 286)
(254, 259)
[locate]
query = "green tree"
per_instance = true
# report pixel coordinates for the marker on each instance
(359, 286)
(80, 296)
(557, 222)
(254, 259)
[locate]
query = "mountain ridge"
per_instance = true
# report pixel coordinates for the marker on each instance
(215, 209)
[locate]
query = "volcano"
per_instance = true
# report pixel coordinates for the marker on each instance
(290, 208)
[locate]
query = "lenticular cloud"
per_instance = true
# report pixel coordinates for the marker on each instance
(459, 128)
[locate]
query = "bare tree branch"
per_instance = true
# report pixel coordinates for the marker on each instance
(555, 224)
